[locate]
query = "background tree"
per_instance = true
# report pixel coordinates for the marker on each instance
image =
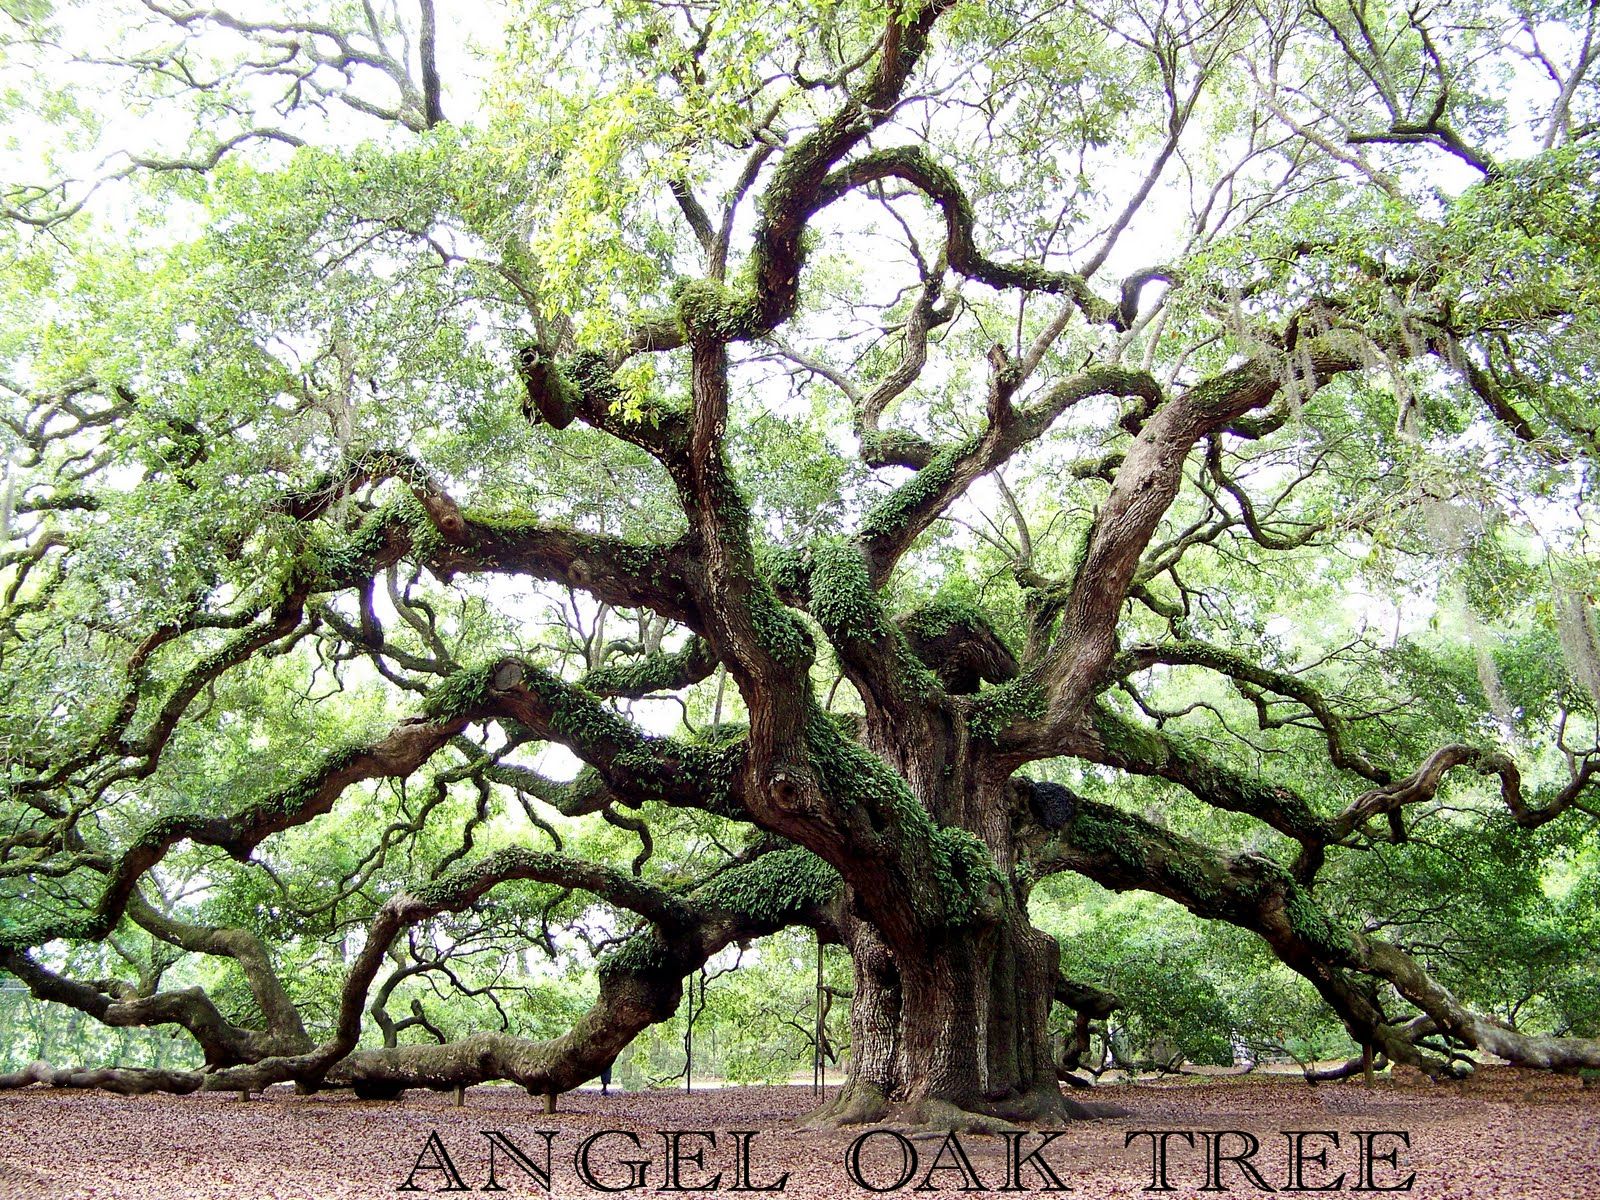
(902, 452)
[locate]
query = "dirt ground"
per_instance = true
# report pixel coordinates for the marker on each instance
(1505, 1133)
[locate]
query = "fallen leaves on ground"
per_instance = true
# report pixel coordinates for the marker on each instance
(1506, 1133)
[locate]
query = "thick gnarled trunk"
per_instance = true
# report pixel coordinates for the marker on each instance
(954, 1033)
(951, 1028)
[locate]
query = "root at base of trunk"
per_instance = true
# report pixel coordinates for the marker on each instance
(854, 1104)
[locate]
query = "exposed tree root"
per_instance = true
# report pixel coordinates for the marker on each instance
(928, 1118)
(918, 1118)
(857, 1103)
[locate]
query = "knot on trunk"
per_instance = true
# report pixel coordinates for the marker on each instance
(1052, 804)
(787, 790)
(507, 674)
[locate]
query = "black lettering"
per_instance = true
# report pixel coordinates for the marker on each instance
(677, 1156)
(1015, 1160)
(741, 1165)
(961, 1164)
(908, 1160)
(1298, 1159)
(1158, 1154)
(540, 1174)
(441, 1163)
(580, 1162)
(1367, 1140)
(1215, 1158)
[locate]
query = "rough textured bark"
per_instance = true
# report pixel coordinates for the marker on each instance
(950, 1025)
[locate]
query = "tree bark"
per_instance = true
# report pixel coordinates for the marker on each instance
(950, 1028)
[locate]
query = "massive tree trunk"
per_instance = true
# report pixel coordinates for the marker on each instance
(974, 1008)
(954, 1031)
(949, 1025)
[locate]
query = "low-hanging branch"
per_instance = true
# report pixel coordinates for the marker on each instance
(1120, 851)
(640, 983)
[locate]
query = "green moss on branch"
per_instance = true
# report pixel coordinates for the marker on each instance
(996, 710)
(888, 518)
(773, 889)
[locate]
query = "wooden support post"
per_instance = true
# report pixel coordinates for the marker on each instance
(819, 1077)
(549, 1102)
(461, 1096)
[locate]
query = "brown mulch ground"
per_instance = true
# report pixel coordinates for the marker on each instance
(1506, 1133)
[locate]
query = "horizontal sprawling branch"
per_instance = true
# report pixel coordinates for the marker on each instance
(640, 983)
(1121, 851)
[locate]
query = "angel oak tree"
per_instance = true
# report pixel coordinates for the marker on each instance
(974, 415)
